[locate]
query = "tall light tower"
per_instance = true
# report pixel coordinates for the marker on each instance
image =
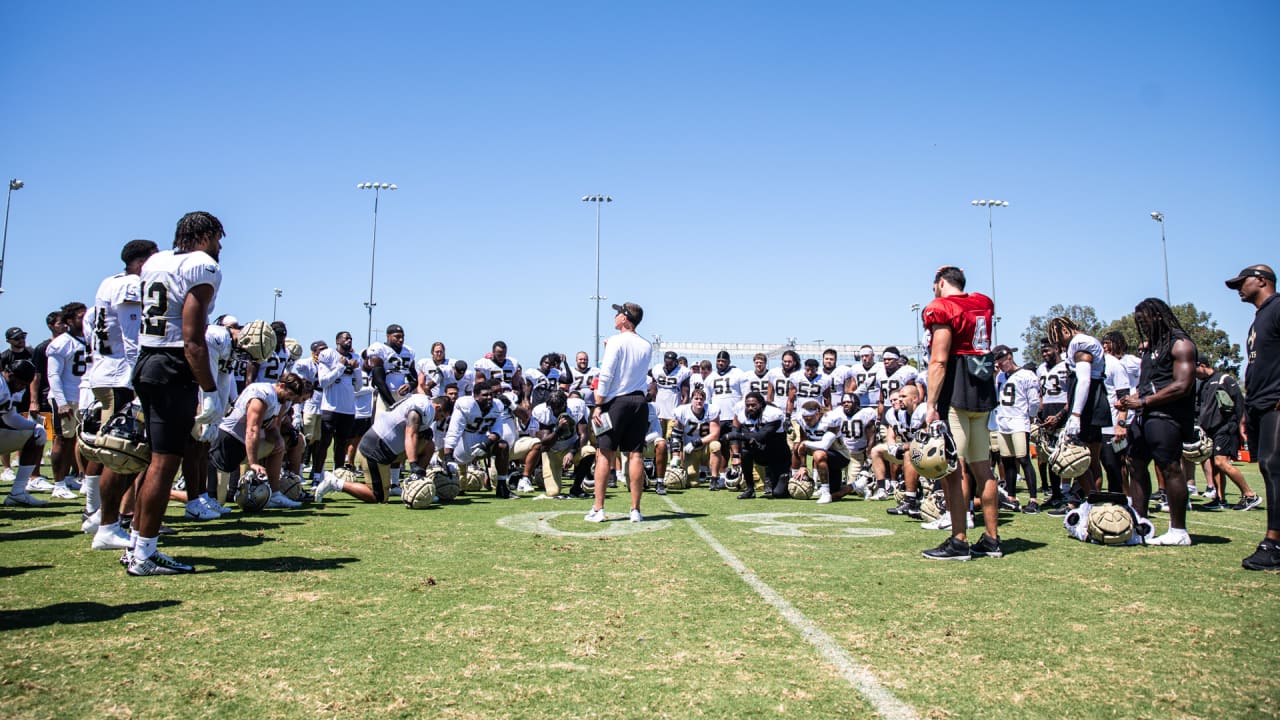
(598, 200)
(915, 320)
(377, 188)
(275, 303)
(1159, 217)
(991, 205)
(14, 184)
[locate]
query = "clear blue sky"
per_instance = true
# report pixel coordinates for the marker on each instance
(776, 172)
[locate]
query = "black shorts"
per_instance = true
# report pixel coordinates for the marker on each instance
(630, 417)
(338, 425)
(226, 452)
(1226, 441)
(1156, 437)
(360, 426)
(373, 448)
(290, 434)
(1096, 414)
(170, 398)
(1051, 409)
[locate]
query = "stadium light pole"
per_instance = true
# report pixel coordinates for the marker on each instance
(1159, 217)
(14, 184)
(991, 205)
(598, 200)
(275, 303)
(377, 188)
(915, 320)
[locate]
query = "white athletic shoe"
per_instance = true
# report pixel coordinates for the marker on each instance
(277, 500)
(38, 484)
(216, 506)
(824, 495)
(524, 486)
(89, 525)
(944, 523)
(62, 492)
(23, 499)
(1173, 537)
(113, 538)
(595, 516)
(73, 482)
(1210, 493)
(881, 494)
(7, 475)
(636, 516)
(198, 510)
(328, 484)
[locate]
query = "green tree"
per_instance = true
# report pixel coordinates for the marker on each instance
(1204, 331)
(1083, 315)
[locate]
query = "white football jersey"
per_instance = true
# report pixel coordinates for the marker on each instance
(1115, 380)
(807, 389)
(396, 363)
(389, 426)
(1132, 366)
(236, 421)
(221, 361)
(273, 366)
(839, 379)
(468, 419)
(867, 383)
(855, 430)
(890, 384)
(1053, 383)
(113, 324)
(309, 370)
(1019, 401)
(535, 379)
(166, 279)
(770, 414)
(364, 402)
(696, 380)
(726, 385)
(68, 363)
(1089, 344)
(338, 382)
(488, 369)
(904, 426)
(751, 382)
(542, 416)
(668, 384)
(779, 382)
(435, 373)
(689, 427)
(582, 384)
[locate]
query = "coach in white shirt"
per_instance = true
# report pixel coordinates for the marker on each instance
(620, 396)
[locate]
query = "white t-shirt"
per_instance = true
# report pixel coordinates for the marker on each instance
(625, 368)
(1019, 402)
(68, 363)
(389, 426)
(1089, 344)
(236, 421)
(668, 384)
(338, 382)
(1115, 379)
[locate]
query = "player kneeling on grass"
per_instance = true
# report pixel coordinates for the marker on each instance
(696, 433)
(252, 431)
(819, 435)
(402, 434)
(20, 434)
(560, 429)
(476, 428)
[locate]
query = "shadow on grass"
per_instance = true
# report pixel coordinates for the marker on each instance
(1017, 545)
(283, 564)
(670, 516)
(11, 571)
(225, 539)
(46, 534)
(1198, 539)
(28, 513)
(73, 613)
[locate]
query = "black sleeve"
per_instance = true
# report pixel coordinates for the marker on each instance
(380, 384)
(763, 432)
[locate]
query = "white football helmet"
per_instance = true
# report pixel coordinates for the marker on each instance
(933, 454)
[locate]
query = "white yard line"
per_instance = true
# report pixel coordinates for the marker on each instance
(38, 528)
(862, 679)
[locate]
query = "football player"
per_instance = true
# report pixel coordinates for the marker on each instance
(840, 376)
(309, 369)
(1115, 439)
(668, 389)
(18, 350)
(1019, 403)
(541, 380)
(340, 375)
(695, 432)
(364, 397)
(476, 429)
(584, 378)
(894, 373)
(819, 434)
(904, 420)
(251, 432)
(759, 438)
(179, 288)
(1052, 374)
(392, 368)
(1087, 412)
(866, 377)
(560, 429)
(498, 365)
(272, 366)
(40, 410)
(857, 428)
(726, 386)
(809, 384)
(114, 322)
(432, 371)
(69, 359)
(780, 379)
(758, 378)
(19, 434)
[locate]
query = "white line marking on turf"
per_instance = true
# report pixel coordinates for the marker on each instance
(859, 677)
(1229, 527)
(37, 528)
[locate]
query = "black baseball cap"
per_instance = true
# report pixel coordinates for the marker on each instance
(1258, 271)
(14, 333)
(319, 345)
(723, 355)
(670, 355)
(634, 312)
(1000, 351)
(394, 328)
(1202, 359)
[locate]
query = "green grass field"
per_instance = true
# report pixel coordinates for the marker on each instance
(485, 608)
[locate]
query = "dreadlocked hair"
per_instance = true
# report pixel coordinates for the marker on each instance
(1119, 343)
(1160, 324)
(1061, 329)
(193, 226)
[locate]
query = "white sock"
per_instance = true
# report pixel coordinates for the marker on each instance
(108, 529)
(134, 537)
(21, 478)
(338, 483)
(145, 548)
(92, 494)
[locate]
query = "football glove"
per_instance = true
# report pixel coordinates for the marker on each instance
(1073, 426)
(210, 409)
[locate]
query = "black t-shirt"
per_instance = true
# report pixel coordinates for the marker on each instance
(40, 359)
(7, 359)
(1157, 374)
(1262, 379)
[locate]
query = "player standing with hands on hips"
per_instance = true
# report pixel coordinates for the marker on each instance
(621, 414)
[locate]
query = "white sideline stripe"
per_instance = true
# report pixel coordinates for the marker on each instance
(38, 528)
(1231, 527)
(859, 677)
